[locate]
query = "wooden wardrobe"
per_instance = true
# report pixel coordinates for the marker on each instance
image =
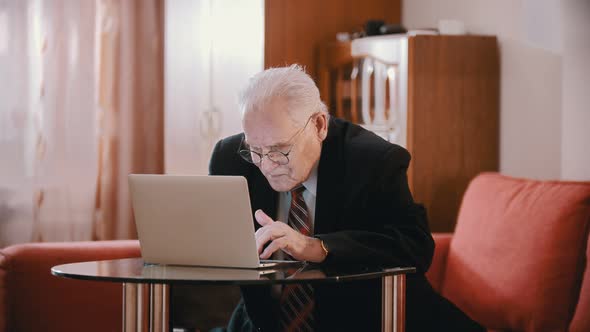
(452, 129)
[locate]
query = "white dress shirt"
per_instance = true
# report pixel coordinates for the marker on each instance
(309, 196)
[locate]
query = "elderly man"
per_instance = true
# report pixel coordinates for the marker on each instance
(326, 191)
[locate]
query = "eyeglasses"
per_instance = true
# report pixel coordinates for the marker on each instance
(278, 157)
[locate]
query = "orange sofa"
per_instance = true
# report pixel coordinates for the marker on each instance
(31, 299)
(519, 259)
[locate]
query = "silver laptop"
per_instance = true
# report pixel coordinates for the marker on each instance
(195, 220)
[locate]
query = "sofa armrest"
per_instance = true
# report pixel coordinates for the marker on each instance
(31, 299)
(439, 262)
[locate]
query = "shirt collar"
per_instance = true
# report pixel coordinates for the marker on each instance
(311, 183)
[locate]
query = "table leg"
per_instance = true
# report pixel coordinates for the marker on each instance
(145, 307)
(160, 304)
(393, 303)
(129, 307)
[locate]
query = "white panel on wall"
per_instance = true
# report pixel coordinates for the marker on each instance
(576, 90)
(4, 33)
(542, 24)
(231, 34)
(530, 118)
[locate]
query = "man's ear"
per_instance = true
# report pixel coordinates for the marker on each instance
(321, 126)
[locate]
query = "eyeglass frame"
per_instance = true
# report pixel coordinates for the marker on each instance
(285, 154)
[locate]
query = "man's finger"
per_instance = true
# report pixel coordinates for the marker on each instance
(275, 245)
(262, 218)
(261, 237)
(268, 233)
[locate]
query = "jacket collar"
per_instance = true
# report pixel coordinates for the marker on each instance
(330, 181)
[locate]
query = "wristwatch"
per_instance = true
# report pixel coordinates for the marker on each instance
(324, 247)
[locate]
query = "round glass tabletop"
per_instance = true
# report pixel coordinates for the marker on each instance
(134, 270)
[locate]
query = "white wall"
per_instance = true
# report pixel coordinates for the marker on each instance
(575, 141)
(237, 30)
(542, 113)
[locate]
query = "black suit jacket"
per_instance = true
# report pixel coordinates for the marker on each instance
(364, 214)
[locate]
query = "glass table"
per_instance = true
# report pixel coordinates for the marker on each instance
(146, 287)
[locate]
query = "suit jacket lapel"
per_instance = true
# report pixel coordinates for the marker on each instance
(330, 182)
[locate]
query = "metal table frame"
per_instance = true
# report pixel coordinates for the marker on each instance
(146, 306)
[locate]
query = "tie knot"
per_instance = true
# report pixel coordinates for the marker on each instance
(297, 191)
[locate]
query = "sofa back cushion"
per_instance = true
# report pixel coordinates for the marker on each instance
(581, 320)
(31, 299)
(517, 256)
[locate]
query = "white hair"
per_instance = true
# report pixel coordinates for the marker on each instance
(292, 84)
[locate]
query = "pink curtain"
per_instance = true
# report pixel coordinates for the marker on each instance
(130, 98)
(81, 106)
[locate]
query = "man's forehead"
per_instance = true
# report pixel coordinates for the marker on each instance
(268, 128)
(266, 140)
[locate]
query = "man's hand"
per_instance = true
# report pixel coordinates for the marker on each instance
(285, 238)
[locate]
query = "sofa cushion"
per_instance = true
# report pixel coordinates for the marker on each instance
(436, 271)
(517, 256)
(31, 299)
(581, 320)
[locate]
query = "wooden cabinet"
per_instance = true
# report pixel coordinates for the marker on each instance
(449, 92)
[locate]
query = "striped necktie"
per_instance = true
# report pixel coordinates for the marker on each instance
(297, 299)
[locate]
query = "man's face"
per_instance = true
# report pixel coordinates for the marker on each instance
(272, 129)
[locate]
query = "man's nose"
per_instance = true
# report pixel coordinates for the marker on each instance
(267, 165)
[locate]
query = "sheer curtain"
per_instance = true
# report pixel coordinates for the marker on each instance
(131, 95)
(80, 108)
